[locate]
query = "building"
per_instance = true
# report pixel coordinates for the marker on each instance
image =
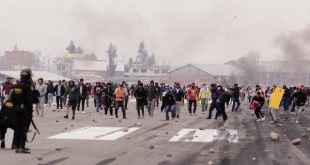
(17, 59)
(265, 73)
(146, 71)
(201, 73)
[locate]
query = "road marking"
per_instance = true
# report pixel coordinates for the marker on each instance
(207, 135)
(95, 133)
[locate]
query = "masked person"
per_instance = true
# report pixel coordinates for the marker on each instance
(179, 98)
(109, 100)
(257, 104)
(73, 94)
(23, 97)
(300, 99)
(169, 104)
(204, 97)
(220, 103)
(152, 93)
(235, 98)
(140, 95)
(214, 96)
(120, 94)
(42, 89)
(191, 96)
(7, 119)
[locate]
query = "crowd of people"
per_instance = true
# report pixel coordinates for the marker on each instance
(110, 97)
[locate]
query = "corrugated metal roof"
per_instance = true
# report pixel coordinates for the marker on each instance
(36, 75)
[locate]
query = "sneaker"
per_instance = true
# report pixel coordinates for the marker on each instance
(297, 122)
(72, 117)
(66, 117)
(259, 120)
(105, 116)
(77, 111)
(263, 118)
(83, 111)
(272, 122)
(111, 117)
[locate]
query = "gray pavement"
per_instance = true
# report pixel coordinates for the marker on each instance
(253, 147)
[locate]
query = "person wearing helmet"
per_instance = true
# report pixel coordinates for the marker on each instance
(73, 94)
(23, 97)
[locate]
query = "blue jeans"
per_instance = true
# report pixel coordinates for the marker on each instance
(235, 100)
(97, 100)
(65, 100)
(170, 108)
(50, 99)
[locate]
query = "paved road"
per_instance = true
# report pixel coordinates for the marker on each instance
(253, 144)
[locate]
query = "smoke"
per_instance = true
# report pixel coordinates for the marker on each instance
(166, 34)
(295, 48)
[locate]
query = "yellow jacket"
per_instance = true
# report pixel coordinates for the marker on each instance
(206, 95)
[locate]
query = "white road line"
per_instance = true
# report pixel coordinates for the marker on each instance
(207, 135)
(95, 133)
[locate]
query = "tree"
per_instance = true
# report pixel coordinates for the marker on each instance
(151, 60)
(142, 54)
(112, 54)
(130, 61)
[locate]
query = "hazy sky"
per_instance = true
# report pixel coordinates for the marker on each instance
(180, 31)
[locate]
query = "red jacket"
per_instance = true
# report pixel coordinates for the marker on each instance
(7, 87)
(192, 94)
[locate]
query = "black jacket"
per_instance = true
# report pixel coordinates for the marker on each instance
(140, 95)
(300, 98)
(62, 90)
(84, 90)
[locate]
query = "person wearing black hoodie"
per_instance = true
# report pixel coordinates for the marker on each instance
(169, 104)
(73, 94)
(258, 102)
(300, 99)
(140, 95)
(220, 104)
(108, 94)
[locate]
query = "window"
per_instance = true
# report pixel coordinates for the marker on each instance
(156, 71)
(164, 71)
(135, 70)
(143, 70)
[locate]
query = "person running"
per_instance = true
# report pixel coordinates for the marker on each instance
(73, 94)
(235, 98)
(158, 91)
(42, 89)
(300, 99)
(169, 104)
(151, 98)
(214, 96)
(220, 103)
(273, 114)
(120, 94)
(140, 95)
(108, 94)
(191, 96)
(204, 97)
(179, 98)
(257, 104)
